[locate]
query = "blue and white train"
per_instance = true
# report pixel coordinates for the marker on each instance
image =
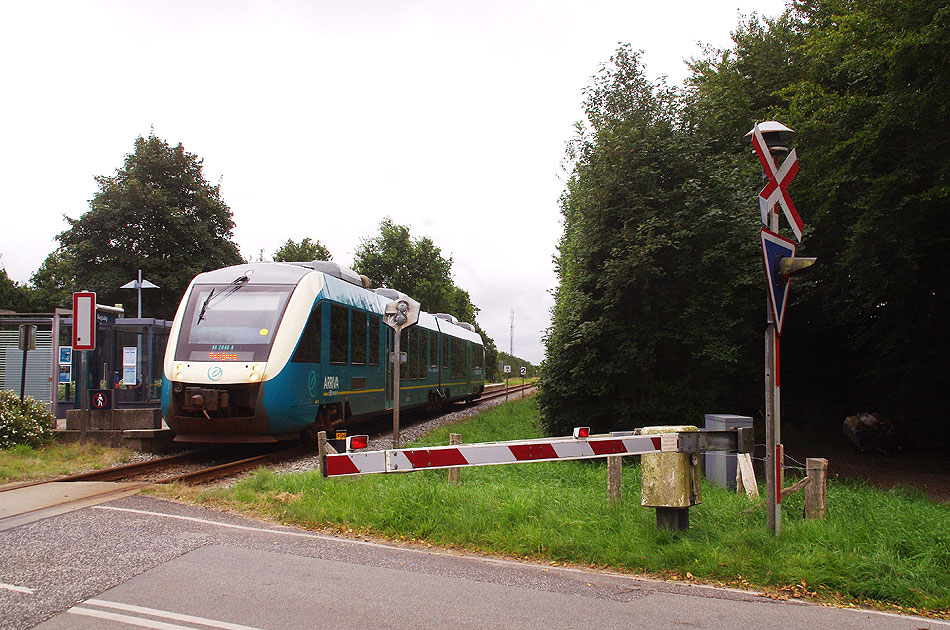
(262, 352)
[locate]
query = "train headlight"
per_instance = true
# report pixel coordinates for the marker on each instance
(256, 370)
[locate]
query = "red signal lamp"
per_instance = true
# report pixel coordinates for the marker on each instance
(357, 442)
(581, 432)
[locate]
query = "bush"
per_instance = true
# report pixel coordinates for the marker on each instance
(28, 423)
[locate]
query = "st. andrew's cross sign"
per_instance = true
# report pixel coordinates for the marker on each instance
(776, 190)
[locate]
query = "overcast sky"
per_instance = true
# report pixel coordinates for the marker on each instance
(321, 118)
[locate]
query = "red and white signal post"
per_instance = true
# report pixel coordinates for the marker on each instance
(84, 340)
(778, 256)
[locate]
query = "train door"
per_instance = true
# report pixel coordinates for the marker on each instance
(468, 366)
(389, 366)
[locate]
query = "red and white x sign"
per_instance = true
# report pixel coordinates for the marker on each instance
(776, 190)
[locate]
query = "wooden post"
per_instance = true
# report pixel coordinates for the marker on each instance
(614, 479)
(745, 476)
(815, 491)
(322, 451)
(454, 438)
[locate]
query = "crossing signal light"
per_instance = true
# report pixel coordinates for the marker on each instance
(357, 442)
(791, 265)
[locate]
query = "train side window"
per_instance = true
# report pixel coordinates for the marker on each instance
(339, 333)
(446, 351)
(431, 344)
(308, 349)
(374, 339)
(359, 338)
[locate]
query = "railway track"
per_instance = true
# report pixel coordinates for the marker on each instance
(191, 468)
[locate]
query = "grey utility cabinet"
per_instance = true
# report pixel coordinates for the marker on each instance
(721, 467)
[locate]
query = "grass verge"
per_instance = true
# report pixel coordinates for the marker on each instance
(24, 463)
(886, 549)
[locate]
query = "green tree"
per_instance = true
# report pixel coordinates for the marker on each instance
(13, 295)
(305, 251)
(416, 267)
(864, 83)
(158, 214)
(53, 283)
(657, 266)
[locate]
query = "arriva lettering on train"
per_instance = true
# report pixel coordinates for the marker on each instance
(331, 384)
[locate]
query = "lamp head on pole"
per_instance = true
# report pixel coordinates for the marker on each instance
(776, 135)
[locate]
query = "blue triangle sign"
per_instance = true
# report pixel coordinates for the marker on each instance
(775, 247)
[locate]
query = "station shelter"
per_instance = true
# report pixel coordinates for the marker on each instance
(127, 360)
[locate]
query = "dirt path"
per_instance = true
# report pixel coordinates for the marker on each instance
(926, 471)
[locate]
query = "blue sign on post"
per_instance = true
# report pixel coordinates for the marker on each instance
(774, 248)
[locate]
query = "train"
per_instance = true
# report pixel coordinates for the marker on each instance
(272, 351)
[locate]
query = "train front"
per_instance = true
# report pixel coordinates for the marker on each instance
(224, 352)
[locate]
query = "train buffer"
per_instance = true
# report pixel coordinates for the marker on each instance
(580, 445)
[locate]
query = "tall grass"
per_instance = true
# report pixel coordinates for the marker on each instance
(876, 546)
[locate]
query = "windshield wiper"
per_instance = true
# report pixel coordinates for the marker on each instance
(235, 284)
(204, 306)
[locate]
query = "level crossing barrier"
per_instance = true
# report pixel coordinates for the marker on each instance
(581, 445)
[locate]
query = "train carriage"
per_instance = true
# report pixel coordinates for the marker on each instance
(266, 351)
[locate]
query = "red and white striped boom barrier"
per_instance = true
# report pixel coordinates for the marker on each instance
(620, 443)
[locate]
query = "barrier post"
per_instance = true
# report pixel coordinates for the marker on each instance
(454, 438)
(817, 468)
(614, 479)
(322, 451)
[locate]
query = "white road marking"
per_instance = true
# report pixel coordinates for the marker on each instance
(165, 614)
(17, 589)
(135, 621)
(245, 528)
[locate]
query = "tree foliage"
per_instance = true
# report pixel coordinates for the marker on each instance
(53, 284)
(656, 264)
(416, 267)
(659, 312)
(158, 214)
(13, 295)
(306, 250)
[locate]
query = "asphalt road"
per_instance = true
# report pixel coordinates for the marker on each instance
(143, 562)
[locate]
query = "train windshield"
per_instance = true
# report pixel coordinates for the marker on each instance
(231, 322)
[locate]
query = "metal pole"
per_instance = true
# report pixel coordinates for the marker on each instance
(83, 398)
(396, 364)
(773, 463)
(54, 389)
(138, 285)
(23, 376)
